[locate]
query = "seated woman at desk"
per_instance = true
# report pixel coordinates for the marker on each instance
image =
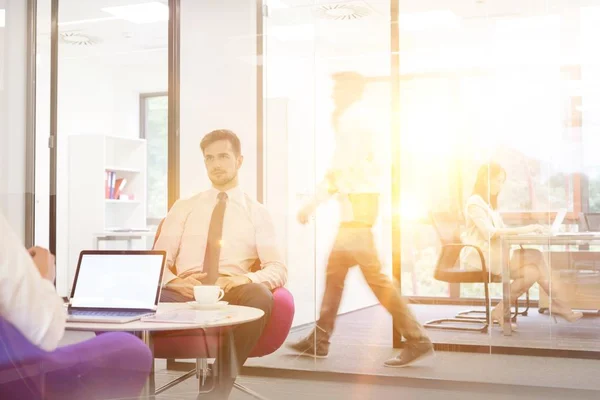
(484, 227)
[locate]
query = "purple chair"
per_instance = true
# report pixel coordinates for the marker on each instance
(109, 366)
(201, 344)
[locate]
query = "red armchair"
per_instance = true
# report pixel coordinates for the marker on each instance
(201, 345)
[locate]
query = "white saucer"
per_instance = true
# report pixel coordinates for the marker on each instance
(213, 306)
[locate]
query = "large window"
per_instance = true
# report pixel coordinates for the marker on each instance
(518, 98)
(154, 128)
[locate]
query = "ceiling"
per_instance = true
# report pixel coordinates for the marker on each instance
(298, 28)
(109, 36)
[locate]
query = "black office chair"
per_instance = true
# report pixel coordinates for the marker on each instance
(448, 269)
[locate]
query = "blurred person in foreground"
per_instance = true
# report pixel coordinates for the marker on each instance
(32, 323)
(355, 179)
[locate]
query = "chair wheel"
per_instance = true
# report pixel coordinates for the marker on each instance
(514, 319)
(524, 313)
(542, 310)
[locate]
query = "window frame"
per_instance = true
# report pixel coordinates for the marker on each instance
(143, 102)
(144, 97)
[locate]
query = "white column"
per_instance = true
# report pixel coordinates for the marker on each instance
(13, 73)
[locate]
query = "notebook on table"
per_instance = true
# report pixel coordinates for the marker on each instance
(116, 286)
(186, 316)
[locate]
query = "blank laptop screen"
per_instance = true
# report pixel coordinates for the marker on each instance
(117, 281)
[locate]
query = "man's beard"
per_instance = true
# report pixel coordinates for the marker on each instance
(222, 179)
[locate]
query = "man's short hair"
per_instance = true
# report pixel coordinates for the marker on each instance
(350, 82)
(222, 134)
(349, 76)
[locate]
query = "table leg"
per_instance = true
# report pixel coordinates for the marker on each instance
(224, 357)
(149, 386)
(224, 368)
(505, 259)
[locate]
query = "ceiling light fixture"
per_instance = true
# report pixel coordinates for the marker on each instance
(77, 39)
(428, 20)
(2, 18)
(343, 11)
(144, 13)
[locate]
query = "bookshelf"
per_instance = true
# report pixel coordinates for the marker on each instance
(90, 211)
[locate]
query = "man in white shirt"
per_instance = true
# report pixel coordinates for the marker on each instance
(356, 179)
(223, 237)
(32, 314)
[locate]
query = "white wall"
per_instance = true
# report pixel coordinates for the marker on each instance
(218, 85)
(13, 84)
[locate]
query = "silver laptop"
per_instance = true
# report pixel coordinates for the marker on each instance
(555, 228)
(116, 286)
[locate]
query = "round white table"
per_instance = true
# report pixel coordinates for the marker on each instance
(143, 329)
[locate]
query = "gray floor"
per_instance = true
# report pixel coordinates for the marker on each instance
(367, 361)
(364, 389)
(363, 340)
(373, 326)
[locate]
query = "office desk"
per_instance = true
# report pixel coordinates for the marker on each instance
(239, 315)
(563, 239)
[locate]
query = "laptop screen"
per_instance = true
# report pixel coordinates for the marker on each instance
(118, 279)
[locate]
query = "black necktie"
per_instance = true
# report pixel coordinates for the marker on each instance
(213, 243)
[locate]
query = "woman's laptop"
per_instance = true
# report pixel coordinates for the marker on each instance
(116, 286)
(555, 228)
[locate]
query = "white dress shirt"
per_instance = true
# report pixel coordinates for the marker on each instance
(27, 300)
(359, 158)
(248, 236)
(482, 224)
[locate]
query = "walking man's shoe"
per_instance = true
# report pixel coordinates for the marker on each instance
(311, 346)
(411, 354)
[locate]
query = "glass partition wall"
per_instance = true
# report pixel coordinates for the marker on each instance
(487, 84)
(308, 44)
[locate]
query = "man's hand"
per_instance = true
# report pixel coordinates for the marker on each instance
(194, 273)
(332, 177)
(185, 286)
(44, 261)
(229, 282)
(304, 214)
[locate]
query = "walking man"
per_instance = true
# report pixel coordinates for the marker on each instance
(355, 179)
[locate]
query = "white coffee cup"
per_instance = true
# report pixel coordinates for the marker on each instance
(208, 294)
